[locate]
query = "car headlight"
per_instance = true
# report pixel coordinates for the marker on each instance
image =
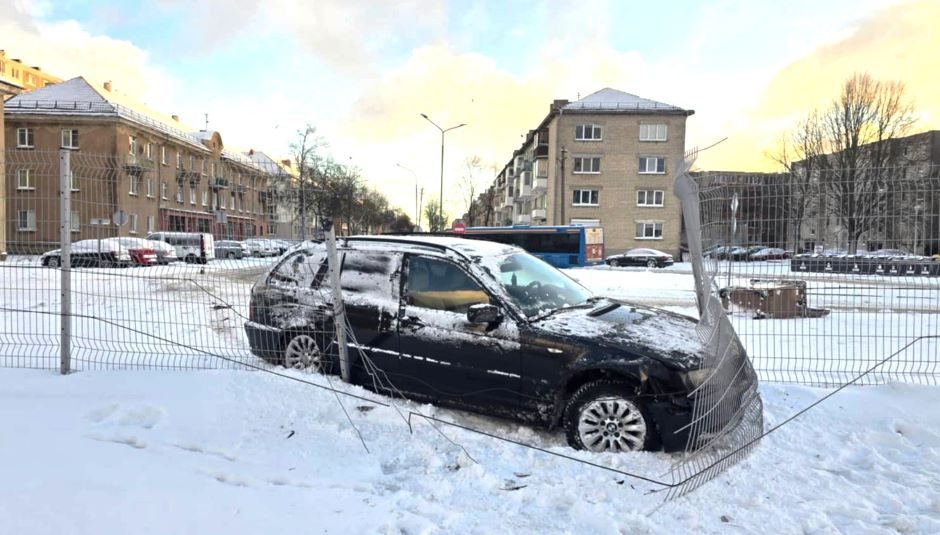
(696, 378)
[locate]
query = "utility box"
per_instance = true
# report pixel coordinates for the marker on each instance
(776, 299)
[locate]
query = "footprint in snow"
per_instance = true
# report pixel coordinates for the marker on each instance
(131, 441)
(194, 448)
(145, 416)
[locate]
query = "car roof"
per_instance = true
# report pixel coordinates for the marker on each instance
(417, 243)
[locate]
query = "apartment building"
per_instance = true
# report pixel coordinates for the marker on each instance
(133, 171)
(17, 77)
(605, 160)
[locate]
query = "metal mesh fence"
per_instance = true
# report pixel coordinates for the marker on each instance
(178, 300)
(826, 274)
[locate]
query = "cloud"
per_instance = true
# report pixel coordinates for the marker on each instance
(896, 43)
(66, 49)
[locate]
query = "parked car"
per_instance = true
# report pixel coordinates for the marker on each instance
(280, 245)
(489, 328)
(726, 252)
(641, 257)
(768, 253)
(91, 253)
(142, 251)
(231, 249)
(166, 253)
(261, 248)
(191, 247)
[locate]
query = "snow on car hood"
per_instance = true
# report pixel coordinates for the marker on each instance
(664, 335)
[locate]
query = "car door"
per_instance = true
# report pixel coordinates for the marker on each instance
(444, 357)
(370, 282)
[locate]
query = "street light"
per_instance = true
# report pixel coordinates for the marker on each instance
(441, 199)
(417, 206)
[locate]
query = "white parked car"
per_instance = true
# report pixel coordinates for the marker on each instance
(260, 248)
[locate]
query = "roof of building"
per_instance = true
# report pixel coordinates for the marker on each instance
(608, 99)
(77, 97)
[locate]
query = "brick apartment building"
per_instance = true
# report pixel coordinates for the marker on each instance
(17, 77)
(605, 160)
(125, 159)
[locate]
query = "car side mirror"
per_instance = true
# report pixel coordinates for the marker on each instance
(483, 313)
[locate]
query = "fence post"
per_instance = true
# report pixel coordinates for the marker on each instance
(65, 255)
(339, 310)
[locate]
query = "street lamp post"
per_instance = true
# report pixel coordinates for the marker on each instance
(440, 206)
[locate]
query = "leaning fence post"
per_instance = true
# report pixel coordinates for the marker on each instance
(339, 311)
(65, 255)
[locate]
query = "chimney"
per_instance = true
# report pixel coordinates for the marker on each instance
(251, 152)
(107, 86)
(176, 118)
(286, 163)
(558, 104)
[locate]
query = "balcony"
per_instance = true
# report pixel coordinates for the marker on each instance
(538, 213)
(509, 199)
(218, 183)
(541, 151)
(134, 163)
(540, 185)
(524, 193)
(192, 176)
(522, 219)
(240, 188)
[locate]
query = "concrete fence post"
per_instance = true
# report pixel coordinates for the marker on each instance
(65, 267)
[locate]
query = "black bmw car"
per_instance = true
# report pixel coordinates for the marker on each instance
(486, 327)
(641, 257)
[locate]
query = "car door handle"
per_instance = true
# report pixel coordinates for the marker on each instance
(555, 350)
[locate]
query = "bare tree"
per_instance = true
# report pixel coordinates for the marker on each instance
(432, 212)
(469, 185)
(299, 190)
(801, 153)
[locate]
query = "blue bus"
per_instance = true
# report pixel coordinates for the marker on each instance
(560, 246)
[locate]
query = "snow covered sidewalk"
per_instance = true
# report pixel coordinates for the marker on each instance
(246, 452)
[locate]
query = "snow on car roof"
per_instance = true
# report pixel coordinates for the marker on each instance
(464, 246)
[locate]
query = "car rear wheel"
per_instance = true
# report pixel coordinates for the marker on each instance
(603, 417)
(53, 262)
(651, 263)
(304, 353)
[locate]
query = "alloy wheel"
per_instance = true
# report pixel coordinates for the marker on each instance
(611, 424)
(303, 353)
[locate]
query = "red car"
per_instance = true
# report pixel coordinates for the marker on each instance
(141, 251)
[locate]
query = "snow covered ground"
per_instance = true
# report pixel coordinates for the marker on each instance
(228, 451)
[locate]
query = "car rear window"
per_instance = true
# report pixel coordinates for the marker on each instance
(304, 269)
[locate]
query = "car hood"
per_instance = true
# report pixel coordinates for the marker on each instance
(631, 328)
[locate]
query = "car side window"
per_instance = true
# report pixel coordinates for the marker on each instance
(301, 269)
(441, 285)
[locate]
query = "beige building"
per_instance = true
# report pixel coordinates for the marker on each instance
(134, 171)
(17, 77)
(606, 160)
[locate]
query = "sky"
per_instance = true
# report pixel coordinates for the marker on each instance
(362, 72)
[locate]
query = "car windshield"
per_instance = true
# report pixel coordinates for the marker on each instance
(536, 287)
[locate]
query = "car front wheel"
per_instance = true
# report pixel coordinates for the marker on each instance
(603, 417)
(651, 263)
(53, 262)
(303, 353)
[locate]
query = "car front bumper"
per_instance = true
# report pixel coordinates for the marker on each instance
(265, 342)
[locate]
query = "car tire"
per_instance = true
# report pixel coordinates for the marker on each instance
(651, 263)
(53, 261)
(604, 416)
(304, 352)
(105, 263)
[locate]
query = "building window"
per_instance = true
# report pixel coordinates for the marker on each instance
(652, 165)
(163, 154)
(134, 184)
(587, 132)
(70, 139)
(132, 145)
(24, 180)
(150, 188)
(652, 132)
(24, 138)
(73, 184)
(150, 224)
(649, 230)
(163, 190)
(26, 220)
(215, 201)
(179, 160)
(585, 197)
(649, 197)
(203, 166)
(231, 203)
(192, 195)
(179, 194)
(586, 222)
(192, 163)
(76, 222)
(205, 198)
(150, 151)
(132, 223)
(587, 165)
